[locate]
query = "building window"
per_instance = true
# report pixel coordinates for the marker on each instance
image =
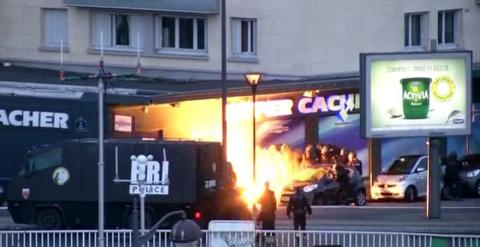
(55, 28)
(122, 29)
(448, 28)
(118, 31)
(244, 37)
(415, 30)
(180, 34)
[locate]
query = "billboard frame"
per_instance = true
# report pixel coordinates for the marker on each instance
(366, 60)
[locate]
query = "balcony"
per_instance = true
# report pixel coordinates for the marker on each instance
(186, 6)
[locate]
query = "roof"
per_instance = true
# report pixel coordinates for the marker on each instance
(140, 89)
(141, 141)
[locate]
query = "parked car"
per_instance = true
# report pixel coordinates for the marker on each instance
(321, 186)
(470, 174)
(405, 178)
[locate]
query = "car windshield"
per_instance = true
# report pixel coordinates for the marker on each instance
(318, 174)
(471, 161)
(402, 165)
(309, 174)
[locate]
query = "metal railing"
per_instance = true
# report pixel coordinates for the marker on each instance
(123, 238)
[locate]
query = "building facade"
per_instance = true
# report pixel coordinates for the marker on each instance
(316, 44)
(281, 38)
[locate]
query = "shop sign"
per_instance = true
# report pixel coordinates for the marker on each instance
(341, 104)
(123, 123)
(21, 118)
(269, 109)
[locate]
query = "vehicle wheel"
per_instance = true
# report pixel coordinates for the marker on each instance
(446, 193)
(410, 194)
(360, 198)
(49, 219)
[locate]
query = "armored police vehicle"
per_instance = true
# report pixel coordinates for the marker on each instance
(32, 122)
(58, 185)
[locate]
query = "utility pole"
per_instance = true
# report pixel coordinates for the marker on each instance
(102, 77)
(224, 83)
(101, 163)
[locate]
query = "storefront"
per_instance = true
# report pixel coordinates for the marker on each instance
(289, 117)
(286, 123)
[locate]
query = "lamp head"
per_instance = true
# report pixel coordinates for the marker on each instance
(186, 233)
(253, 78)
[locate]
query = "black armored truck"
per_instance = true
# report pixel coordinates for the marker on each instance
(58, 185)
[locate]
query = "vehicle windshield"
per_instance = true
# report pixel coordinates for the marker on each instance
(402, 165)
(471, 161)
(318, 174)
(310, 174)
(42, 161)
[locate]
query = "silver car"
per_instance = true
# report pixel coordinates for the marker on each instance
(470, 174)
(405, 178)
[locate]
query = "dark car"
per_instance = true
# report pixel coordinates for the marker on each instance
(470, 174)
(320, 188)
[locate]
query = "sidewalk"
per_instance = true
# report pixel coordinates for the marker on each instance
(456, 218)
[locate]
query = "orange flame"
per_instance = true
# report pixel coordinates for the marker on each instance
(201, 120)
(280, 167)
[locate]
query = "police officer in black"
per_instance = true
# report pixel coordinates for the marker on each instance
(343, 181)
(354, 162)
(269, 206)
(450, 179)
(299, 206)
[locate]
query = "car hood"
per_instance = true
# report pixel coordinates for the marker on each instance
(385, 178)
(297, 184)
(470, 168)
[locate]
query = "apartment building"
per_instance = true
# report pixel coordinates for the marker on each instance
(182, 39)
(301, 46)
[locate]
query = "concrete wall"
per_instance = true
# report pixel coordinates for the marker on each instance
(303, 37)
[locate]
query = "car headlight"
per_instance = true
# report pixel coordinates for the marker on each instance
(402, 178)
(473, 173)
(310, 188)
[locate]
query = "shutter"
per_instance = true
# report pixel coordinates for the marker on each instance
(456, 27)
(251, 37)
(158, 32)
(423, 30)
(137, 31)
(101, 22)
(62, 27)
(49, 28)
(236, 36)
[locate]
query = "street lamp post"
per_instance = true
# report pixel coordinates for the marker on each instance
(224, 82)
(101, 162)
(253, 80)
(102, 77)
(142, 176)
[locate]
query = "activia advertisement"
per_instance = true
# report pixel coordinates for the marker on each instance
(418, 95)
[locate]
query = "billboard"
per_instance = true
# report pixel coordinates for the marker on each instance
(416, 94)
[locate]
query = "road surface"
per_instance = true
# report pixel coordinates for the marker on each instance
(461, 217)
(458, 217)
